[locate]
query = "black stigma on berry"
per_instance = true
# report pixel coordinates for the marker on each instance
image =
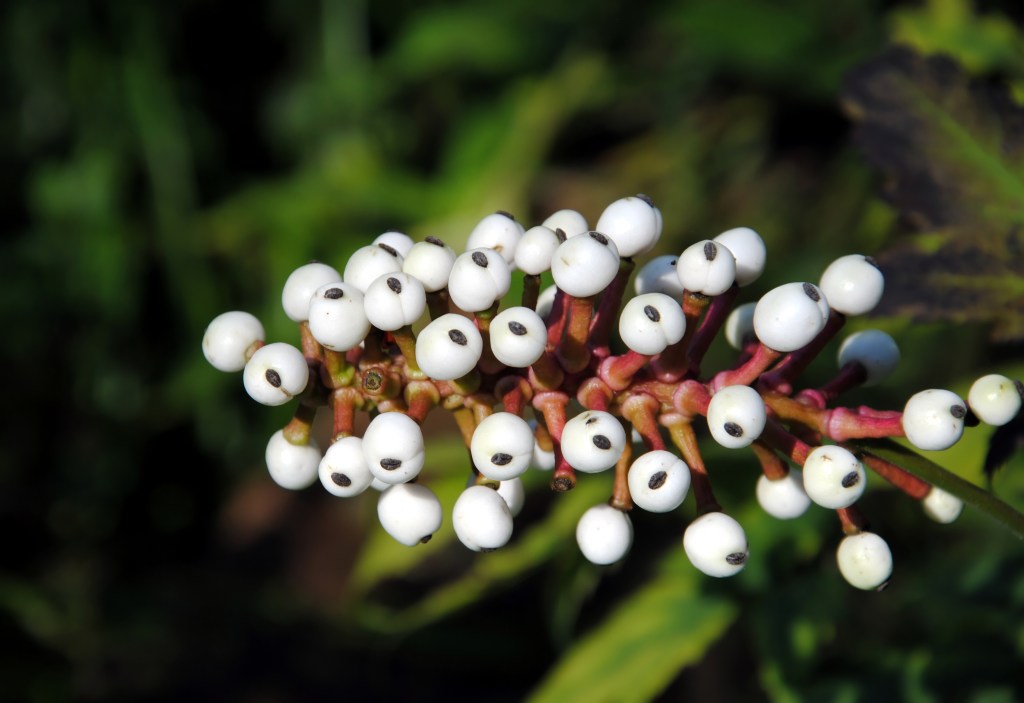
(458, 337)
(812, 292)
(390, 464)
(645, 198)
(389, 249)
(273, 378)
(560, 233)
(710, 251)
(657, 480)
(394, 284)
(517, 328)
(957, 411)
(341, 479)
(736, 558)
(599, 238)
(435, 241)
(602, 442)
(424, 540)
(871, 260)
(652, 313)
(334, 293)
(590, 421)
(501, 459)
(509, 215)
(733, 430)
(851, 479)
(480, 259)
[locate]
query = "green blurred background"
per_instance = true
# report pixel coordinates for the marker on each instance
(165, 162)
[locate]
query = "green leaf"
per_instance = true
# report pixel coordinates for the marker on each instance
(937, 476)
(953, 157)
(665, 626)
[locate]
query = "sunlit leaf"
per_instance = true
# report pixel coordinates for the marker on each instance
(666, 625)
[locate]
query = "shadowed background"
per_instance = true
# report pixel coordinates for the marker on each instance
(164, 162)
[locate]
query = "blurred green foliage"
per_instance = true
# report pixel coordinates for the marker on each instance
(168, 161)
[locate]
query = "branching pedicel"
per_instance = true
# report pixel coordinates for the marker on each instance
(360, 354)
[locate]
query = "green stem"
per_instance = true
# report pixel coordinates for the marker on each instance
(934, 474)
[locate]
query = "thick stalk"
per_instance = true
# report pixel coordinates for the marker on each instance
(607, 315)
(572, 352)
(717, 314)
(789, 369)
(685, 440)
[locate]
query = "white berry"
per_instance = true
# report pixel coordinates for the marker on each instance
(300, 286)
(535, 250)
(875, 350)
(659, 276)
(369, 263)
(570, 222)
(399, 241)
(585, 265)
(865, 561)
(275, 374)
(995, 399)
(518, 337)
(546, 301)
(739, 326)
(707, 268)
(658, 481)
(651, 322)
(934, 419)
(482, 519)
(631, 223)
(833, 477)
(593, 441)
(783, 498)
(499, 232)
(790, 316)
(513, 493)
(942, 506)
(716, 545)
(409, 512)
(736, 416)
(748, 248)
(394, 300)
(292, 466)
(502, 446)
(449, 347)
(604, 534)
(393, 447)
(478, 279)
(431, 262)
(228, 339)
(853, 284)
(337, 318)
(343, 470)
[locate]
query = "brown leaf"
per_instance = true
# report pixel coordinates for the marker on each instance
(952, 151)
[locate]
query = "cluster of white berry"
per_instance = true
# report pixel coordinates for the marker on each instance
(513, 377)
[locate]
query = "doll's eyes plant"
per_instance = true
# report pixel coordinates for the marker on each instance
(543, 384)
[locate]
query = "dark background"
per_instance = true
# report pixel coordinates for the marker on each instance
(164, 162)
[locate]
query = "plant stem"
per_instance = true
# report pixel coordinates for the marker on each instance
(572, 352)
(685, 440)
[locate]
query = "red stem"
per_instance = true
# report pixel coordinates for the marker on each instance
(717, 314)
(572, 352)
(685, 440)
(790, 368)
(748, 372)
